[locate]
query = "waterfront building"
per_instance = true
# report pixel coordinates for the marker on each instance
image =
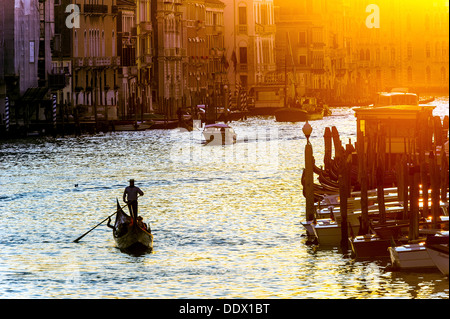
(168, 55)
(25, 60)
(196, 61)
(215, 40)
(95, 60)
(408, 49)
(249, 43)
(144, 58)
(310, 48)
(125, 84)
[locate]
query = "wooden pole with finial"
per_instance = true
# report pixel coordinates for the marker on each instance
(309, 174)
(328, 143)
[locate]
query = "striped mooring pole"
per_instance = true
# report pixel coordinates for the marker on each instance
(54, 110)
(7, 113)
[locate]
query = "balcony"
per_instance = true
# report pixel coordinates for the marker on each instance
(242, 29)
(146, 27)
(218, 28)
(102, 61)
(115, 61)
(146, 59)
(57, 81)
(264, 29)
(78, 62)
(242, 67)
(174, 52)
(88, 62)
(95, 9)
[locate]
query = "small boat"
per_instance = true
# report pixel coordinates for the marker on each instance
(396, 97)
(219, 134)
(426, 101)
(437, 248)
(130, 236)
(164, 124)
(305, 109)
(411, 256)
(370, 246)
(291, 114)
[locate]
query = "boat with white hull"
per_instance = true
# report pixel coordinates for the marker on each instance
(411, 256)
(437, 248)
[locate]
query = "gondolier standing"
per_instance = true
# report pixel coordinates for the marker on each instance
(130, 196)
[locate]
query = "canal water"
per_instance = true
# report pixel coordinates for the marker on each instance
(226, 220)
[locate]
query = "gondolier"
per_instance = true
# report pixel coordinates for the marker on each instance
(130, 196)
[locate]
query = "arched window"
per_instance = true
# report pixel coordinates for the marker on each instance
(368, 55)
(409, 51)
(410, 75)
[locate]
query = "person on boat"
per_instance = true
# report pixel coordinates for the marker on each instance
(130, 196)
(109, 224)
(143, 225)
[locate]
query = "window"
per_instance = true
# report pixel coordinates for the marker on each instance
(243, 15)
(31, 51)
(368, 55)
(428, 50)
(264, 19)
(302, 60)
(409, 74)
(302, 38)
(243, 55)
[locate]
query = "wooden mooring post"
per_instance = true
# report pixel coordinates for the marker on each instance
(362, 177)
(345, 162)
(309, 175)
(414, 173)
(328, 143)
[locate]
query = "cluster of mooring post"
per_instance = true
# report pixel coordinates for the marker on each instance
(420, 173)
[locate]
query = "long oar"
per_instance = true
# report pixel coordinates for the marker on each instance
(78, 239)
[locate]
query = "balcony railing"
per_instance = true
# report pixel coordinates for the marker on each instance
(115, 61)
(102, 61)
(57, 80)
(78, 62)
(95, 8)
(146, 27)
(146, 59)
(242, 29)
(89, 62)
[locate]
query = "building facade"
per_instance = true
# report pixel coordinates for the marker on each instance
(249, 43)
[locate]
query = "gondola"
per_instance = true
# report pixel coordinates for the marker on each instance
(129, 236)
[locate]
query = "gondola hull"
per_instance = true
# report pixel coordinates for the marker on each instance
(135, 240)
(129, 236)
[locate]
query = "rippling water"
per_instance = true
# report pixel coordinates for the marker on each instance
(226, 220)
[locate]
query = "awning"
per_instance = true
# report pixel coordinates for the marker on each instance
(34, 94)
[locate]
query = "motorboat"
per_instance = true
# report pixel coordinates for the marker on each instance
(437, 248)
(219, 134)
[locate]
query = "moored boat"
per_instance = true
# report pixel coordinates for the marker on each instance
(411, 256)
(437, 248)
(129, 235)
(219, 134)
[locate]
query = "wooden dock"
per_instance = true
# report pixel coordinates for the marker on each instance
(400, 156)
